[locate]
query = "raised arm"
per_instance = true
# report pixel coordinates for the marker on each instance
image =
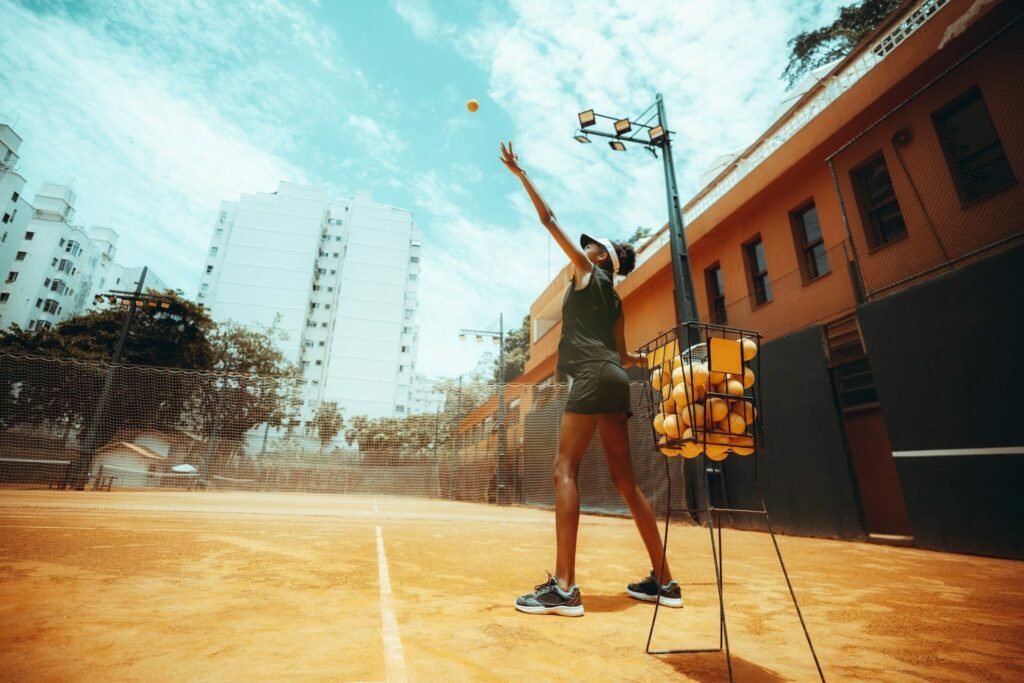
(580, 263)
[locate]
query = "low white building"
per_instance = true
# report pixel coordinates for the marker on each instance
(424, 398)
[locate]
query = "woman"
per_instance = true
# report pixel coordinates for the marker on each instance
(593, 353)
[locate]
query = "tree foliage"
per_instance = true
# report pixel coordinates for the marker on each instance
(811, 49)
(517, 352)
(641, 233)
(328, 422)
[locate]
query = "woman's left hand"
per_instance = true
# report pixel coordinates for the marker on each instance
(634, 360)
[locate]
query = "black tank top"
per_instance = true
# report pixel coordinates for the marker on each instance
(588, 323)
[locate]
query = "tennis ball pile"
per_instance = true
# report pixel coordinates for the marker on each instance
(703, 411)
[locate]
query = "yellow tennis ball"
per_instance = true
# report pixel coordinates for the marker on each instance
(669, 451)
(749, 348)
(718, 409)
(672, 426)
(716, 452)
(741, 445)
(472, 105)
(693, 445)
(748, 378)
(693, 415)
(659, 423)
(656, 379)
(716, 377)
(735, 424)
(733, 387)
(744, 409)
(699, 374)
(679, 394)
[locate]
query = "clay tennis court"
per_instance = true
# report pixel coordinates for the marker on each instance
(245, 586)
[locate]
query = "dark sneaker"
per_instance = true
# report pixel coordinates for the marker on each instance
(547, 598)
(648, 590)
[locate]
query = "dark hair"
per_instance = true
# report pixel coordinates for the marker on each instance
(627, 258)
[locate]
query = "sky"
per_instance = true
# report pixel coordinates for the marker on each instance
(156, 110)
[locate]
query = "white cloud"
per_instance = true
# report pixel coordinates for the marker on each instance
(152, 151)
(471, 271)
(422, 20)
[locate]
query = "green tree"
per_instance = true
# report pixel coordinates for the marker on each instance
(811, 49)
(517, 351)
(328, 422)
(641, 233)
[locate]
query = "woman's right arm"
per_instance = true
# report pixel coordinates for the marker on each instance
(581, 264)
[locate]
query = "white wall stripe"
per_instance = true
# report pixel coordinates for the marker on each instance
(1008, 450)
(394, 658)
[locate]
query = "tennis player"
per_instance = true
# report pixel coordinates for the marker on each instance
(592, 351)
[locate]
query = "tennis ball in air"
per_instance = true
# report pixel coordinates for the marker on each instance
(472, 105)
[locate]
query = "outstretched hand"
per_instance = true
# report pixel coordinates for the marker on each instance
(511, 159)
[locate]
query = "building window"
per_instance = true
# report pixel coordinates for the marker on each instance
(333, 272)
(412, 276)
(14, 197)
(319, 362)
(405, 349)
(29, 235)
(716, 294)
(330, 289)
(334, 254)
(974, 153)
(39, 303)
(879, 208)
(213, 251)
(209, 269)
(310, 323)
(757, 271)
(12, 276)
(809, 242)
(20, 256)
(4, 296)
(204, 288)
(4, 238)
(321, 343)
(321, 324)
(51, 306)
(327, 305)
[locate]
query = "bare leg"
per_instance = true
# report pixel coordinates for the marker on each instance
(614, 431)
(573, 439)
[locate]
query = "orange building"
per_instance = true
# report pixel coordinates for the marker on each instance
(892, 168)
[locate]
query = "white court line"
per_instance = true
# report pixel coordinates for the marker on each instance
(394, 658)
(1007, 450)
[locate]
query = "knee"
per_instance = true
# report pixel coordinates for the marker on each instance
(563, 472)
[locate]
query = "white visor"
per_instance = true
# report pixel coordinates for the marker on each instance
(608, 246)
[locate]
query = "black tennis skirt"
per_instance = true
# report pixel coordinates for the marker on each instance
(599, 387)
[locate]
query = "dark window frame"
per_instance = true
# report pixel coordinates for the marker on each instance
(953, 164)
(754, 279)
(717, 312)
(872, 227)
(805, 251)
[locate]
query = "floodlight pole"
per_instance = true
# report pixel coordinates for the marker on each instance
(686, 309)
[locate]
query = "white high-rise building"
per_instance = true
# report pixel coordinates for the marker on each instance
(58, 267)
(340, 280)
(15, 212)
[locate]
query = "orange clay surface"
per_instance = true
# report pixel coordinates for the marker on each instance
(162, 586)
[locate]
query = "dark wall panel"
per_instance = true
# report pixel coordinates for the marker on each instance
(947, 361)
(805, 472)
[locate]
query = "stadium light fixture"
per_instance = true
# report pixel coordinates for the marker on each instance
(587, 118)
(582, 138)
(657, 134)
(617, 146)
(622, 126)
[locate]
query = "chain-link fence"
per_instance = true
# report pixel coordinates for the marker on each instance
(935, 183)
(78, 425)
